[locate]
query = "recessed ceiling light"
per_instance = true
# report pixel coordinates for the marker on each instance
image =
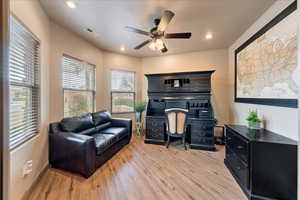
(122, 48)
(208, 36)
(71, 4)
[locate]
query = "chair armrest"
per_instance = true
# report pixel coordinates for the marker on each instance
(123, 122)
(73, 152)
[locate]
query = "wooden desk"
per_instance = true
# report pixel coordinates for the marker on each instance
(200, 132)
(187, 90)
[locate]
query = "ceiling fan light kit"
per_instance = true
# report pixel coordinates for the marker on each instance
(156, 45)
(157, 34)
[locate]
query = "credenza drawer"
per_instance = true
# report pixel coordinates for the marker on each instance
(202, 124)
(241, 149)
(238, 145)
(240, 170)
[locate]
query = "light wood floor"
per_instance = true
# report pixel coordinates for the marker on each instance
(146, 172)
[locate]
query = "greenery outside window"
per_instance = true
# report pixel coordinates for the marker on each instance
(79, 86)
(122, 91)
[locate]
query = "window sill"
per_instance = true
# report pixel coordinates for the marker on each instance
(19, 145)
(123, 112)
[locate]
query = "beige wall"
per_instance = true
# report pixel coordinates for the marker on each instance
(66, 42)
(281, 120)
(56, 40)
(36, 149)
(298, 3)
(196, 61)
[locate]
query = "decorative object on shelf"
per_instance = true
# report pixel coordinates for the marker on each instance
(253, 120)
(139, 108)
(266, 64)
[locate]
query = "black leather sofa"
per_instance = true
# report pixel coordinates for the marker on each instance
(81, 144)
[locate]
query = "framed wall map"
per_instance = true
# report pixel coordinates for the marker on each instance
(266, 64)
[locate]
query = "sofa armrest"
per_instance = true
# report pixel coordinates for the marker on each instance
(123, 122)
(73, 152)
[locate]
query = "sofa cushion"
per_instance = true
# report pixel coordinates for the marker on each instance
(89, 131)
(101, 117)
(101, 127)
(103, 142)
(77, 123)
(119, 132)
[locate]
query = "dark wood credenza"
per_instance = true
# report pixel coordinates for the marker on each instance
(188, 90)
(262, 162)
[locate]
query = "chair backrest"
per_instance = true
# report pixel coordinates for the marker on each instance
(176, 120)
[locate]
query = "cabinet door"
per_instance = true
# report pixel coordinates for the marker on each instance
(203, 128)
(155, 129)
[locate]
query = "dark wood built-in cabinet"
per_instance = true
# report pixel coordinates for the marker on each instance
(188, 90)
(262, 162)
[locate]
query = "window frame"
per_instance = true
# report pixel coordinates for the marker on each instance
(122, 92)
(36, 87)
(78, 90)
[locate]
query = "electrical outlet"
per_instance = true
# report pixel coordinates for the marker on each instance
(27, 168)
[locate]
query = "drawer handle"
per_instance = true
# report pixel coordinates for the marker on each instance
(238, 168)
(228, 138)
(239, 147)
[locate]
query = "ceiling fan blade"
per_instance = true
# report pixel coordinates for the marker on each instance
(178, 35)
(135, 30)
(165, 20)
(165, 49)
(142, 44)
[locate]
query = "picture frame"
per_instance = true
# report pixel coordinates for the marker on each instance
(282, 102)
(176, 83)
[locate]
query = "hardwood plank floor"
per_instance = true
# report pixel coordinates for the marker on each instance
(146, 172)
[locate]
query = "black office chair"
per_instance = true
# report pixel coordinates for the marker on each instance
(176, 124)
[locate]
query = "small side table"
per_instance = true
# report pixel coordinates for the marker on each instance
(220, 139)
(139, 128)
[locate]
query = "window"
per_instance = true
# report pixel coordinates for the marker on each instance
(78, 86)
(122, 91)
(24, 89)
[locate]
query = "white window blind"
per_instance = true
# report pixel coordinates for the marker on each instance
(24, 66)
(79, 85)
(122, 91)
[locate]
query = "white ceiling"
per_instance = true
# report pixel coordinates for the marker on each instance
(225, 19)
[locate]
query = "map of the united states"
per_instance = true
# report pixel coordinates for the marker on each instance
(266, 67)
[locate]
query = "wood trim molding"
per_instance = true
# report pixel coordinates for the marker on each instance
(4, 100)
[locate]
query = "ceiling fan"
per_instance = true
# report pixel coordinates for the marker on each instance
(158, 33)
